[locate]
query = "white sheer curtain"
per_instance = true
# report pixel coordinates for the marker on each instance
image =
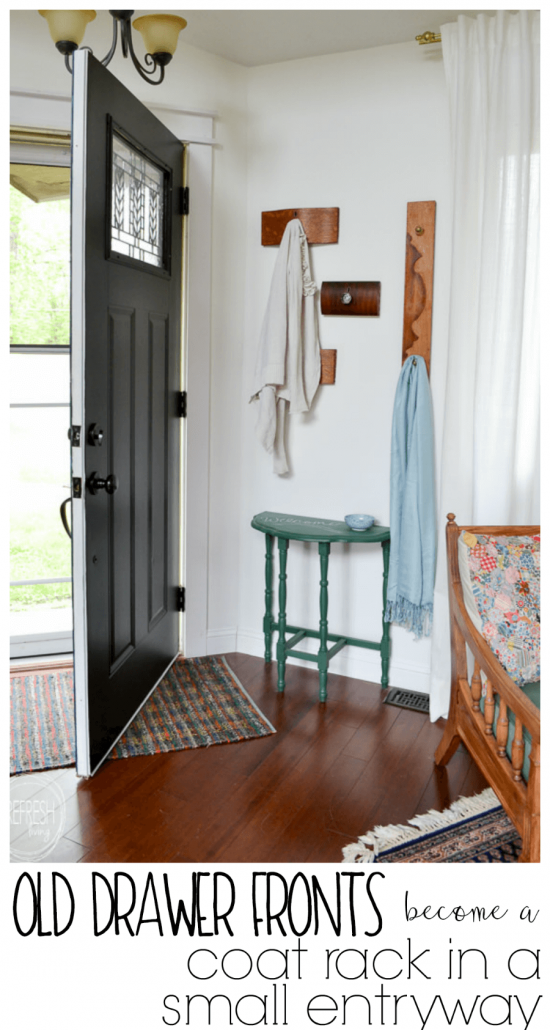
(490, 452)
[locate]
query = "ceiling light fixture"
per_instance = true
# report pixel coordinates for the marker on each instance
(160, 34)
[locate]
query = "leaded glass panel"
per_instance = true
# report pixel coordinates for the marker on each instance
(137, 205)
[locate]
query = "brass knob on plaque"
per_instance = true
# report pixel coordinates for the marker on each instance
(419, 230)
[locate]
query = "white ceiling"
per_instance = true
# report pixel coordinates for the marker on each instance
(266, 37)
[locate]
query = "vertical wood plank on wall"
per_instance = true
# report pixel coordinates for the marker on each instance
(419, 270)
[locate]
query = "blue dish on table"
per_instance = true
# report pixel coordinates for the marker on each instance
(359, 522)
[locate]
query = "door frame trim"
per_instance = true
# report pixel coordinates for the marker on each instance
(196, 362)
(78, 414)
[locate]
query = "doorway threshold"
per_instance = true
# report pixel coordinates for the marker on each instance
(46, 662)
(41, 632)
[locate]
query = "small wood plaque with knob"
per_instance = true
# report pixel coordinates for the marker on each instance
(350, 298)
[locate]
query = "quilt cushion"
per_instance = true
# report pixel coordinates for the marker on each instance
(501, 584)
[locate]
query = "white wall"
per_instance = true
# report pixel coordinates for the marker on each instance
(367, 132)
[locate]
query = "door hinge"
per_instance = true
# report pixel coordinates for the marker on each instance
(74, 436)
(77, 487)
(184, 200)
(181, 599)
(182, 404)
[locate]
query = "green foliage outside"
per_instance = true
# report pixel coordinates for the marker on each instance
(39, 271)
(51, 595)
(39, 547)
(39, 309)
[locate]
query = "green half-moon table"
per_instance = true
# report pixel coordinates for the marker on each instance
(323, 532)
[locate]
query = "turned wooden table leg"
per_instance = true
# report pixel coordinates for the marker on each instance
(281, 643)
(268, 617)
(322, 657)
(385, 645)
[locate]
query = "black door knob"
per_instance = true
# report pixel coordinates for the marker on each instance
(96, 483)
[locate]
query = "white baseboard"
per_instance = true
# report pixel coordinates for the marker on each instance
(220, 640)
(353, 661)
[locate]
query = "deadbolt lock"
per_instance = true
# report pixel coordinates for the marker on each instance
(95, 435)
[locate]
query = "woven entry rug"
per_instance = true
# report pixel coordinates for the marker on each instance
(198, 703)
(473, 829)
(41, 720)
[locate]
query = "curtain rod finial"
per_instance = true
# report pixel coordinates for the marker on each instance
(428, 37)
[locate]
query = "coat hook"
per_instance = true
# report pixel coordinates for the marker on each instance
(419, 230)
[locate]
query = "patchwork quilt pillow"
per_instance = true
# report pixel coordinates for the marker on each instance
(501, 585)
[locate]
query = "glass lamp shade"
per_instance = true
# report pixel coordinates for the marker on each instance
(68, 25)
(160, 32)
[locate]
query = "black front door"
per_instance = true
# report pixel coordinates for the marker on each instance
(125, 381)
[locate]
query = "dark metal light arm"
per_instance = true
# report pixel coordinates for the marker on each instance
(156, 60)
(159, 60)
(108, 56)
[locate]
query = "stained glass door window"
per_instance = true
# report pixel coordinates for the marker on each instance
(137, 204)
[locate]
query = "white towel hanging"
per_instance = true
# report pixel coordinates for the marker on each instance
(288, 366)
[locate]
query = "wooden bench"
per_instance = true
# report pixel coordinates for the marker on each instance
(472, 717)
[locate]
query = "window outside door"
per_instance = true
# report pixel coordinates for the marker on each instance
(40, 549)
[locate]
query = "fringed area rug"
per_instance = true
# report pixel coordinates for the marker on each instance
(473, 829)
(198, 703)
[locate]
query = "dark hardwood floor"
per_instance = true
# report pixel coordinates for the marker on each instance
(329, 774)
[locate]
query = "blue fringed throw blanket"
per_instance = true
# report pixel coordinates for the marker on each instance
(412, 503)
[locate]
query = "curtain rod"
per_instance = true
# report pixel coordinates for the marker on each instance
(428, 37)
